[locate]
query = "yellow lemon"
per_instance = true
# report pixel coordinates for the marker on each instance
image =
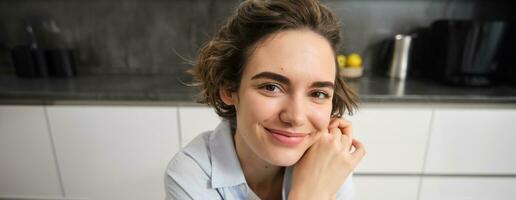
(341, 61)
(354, 60)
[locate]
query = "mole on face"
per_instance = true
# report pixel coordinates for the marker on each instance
(282, 69)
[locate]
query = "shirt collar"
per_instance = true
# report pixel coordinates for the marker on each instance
(225, 166)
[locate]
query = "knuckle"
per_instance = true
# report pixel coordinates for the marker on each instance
(334, 130)
(346, 137)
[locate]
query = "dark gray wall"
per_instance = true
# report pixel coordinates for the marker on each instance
(151, 36)
(121, 36)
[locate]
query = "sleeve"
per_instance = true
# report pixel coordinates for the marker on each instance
(185, 179)
(174, 190)
(347, 190)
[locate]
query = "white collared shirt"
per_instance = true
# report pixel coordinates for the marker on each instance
(208, 168)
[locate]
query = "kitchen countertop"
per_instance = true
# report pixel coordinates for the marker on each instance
(168, 89)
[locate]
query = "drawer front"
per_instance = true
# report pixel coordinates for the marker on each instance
(473, 141)
(468, 188)
(394, 137)
(386, 187)
(27, 162)
(114, 152)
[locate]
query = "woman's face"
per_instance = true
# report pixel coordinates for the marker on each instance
(285, 95)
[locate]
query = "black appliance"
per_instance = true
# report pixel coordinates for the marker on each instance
(462, 52)
(29, 62)
(507, 69)
(46, 54)
(61, 62)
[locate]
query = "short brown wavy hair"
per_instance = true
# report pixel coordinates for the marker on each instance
(221, 60)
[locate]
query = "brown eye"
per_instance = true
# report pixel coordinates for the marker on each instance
(270, 88)
(320, 95)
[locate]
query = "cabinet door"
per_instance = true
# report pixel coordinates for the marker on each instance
(114, 152)
(394, 137)
(386, 187)
(195, 120)
(27, 162)
(473, 140)
(468, 188)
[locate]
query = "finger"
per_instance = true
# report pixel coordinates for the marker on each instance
(336, 134)
(359, 152)
(346, 129)
(334, 130)
(333, 123)
(346, 142)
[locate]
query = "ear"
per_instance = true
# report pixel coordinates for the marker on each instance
(229, 98)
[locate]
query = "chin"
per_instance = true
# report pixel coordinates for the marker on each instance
(284, 157)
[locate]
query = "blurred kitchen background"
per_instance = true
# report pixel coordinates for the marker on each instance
(93, 103)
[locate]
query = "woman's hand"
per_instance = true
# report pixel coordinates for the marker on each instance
(327, 163)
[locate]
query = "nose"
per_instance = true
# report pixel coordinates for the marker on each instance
(293, 112)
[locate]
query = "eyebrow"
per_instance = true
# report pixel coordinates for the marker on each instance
(282, 79)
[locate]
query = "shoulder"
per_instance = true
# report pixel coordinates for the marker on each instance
(193, 158)
(198, 151)
(189, 171)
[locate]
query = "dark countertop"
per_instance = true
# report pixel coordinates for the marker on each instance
(168, 89)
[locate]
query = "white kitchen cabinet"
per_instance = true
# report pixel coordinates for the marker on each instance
(195, 120)
(386, 187)
(120, 152)
(468, 188)
(473, 140)
(114, 152)
(394, 136)
(27, 163)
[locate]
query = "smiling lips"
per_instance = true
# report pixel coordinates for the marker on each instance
(286, 138)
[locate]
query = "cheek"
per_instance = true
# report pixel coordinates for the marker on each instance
(259, 107)
(320, 116)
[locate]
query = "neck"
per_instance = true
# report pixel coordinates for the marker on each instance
(260, 175)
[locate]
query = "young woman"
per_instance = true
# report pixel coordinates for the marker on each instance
(270, 73)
